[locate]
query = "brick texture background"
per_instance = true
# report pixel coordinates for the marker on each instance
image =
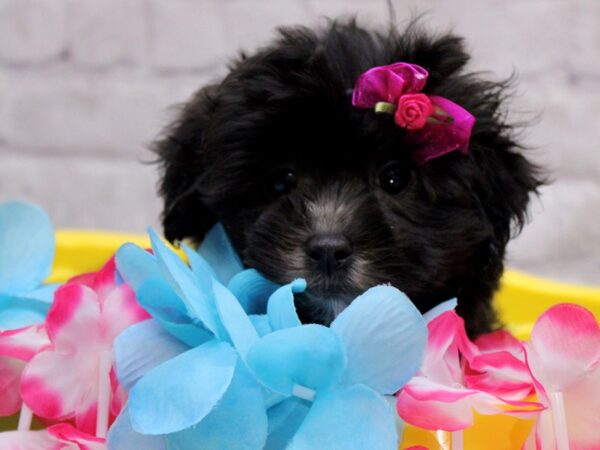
(85, 85)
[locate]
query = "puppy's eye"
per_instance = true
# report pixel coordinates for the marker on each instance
(284, 182)
(393, 178)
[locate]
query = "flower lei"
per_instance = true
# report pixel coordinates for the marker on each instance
(210, 347)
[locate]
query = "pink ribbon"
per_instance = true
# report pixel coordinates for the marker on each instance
(437, 130)
(388, 83)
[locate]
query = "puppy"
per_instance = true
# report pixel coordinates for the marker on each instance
(309, 186)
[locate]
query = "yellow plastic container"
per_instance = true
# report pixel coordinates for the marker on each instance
(521, 300)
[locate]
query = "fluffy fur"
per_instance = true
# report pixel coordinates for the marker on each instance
(288, 108)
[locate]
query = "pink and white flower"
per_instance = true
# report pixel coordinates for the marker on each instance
(564, 359)
(439, 397)
(57, 437)
(498, 367)
(62, 381)
(16, 348)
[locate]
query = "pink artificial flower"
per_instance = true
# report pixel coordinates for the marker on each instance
(10, 379)
(413, 111)
(16, 348)
(57, 437)
(438, 397)
(498, 366)
(388, 83)
(564, 359)
(88, 313)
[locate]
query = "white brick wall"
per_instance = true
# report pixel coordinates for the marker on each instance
(32, 31)
(86, 84)
(92, 113)
(186, 34)
(107, 33)
(82, 192)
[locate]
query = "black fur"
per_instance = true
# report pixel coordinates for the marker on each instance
(288, 106)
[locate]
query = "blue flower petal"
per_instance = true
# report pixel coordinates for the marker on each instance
(242, 333)
(272, 398)
(252, 290)
(238, 422)
(384, 335)
(217, 250)
(44, 293)
(281, 308)
(182, 391)
(16, 312)
(122, 436)
(142, 347)
(284, 420)
(136, 265)
(261, 324)
(194, 292)
(26, 247)
(199, 265)
(161, 302)
(350, 418)
(448, 305)
(311, 356)
(392, 401)
(207, 284)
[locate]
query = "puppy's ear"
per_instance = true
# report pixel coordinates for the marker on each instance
(180, 154)
(506, 183)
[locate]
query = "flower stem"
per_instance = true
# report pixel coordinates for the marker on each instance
(104, 393)
(25, 418)
(303, 392)
(444, 439)
(450, 440)
(385, 108)
(561, 432)
(458, 440)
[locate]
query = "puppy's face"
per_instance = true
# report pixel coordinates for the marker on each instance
(310, 187)
(316, 197)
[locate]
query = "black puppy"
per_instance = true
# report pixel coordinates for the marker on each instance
(309, 186)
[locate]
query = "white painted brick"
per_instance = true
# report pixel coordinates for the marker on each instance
(582, 270)
(84, 192)
(502, 35)
(187, 34)
(89, 114)
(31, 31)
(107, 32)
(249, 24)
(566, 137)
(586, 60)
(367, 12)
(563, 233)
(528, 36)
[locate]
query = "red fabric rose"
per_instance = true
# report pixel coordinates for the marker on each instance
(413, 111)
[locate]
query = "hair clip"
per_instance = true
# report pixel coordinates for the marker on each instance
(439, 125)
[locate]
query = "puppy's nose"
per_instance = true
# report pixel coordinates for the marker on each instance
(328, 251)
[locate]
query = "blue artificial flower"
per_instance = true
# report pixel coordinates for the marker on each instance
(335, 379)
(233, 367)
(186, 369)
(26, 253)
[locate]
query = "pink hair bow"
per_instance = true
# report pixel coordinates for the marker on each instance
(439, 125)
